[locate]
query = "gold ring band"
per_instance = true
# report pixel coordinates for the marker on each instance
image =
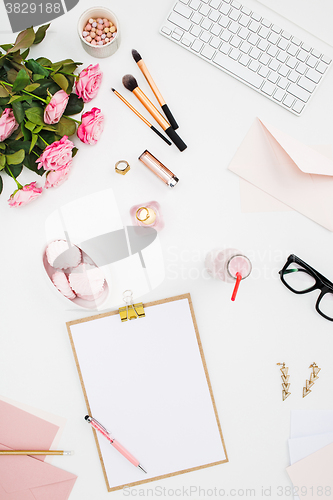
(138, 210)
(124, 170)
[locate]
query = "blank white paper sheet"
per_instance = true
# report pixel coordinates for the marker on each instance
(146, 381)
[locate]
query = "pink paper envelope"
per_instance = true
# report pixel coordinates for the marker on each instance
(288, 170)
(26, 478)
(313, 474)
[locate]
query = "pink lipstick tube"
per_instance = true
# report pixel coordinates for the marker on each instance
(159, 169)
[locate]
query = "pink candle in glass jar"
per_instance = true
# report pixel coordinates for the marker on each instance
(148, 215)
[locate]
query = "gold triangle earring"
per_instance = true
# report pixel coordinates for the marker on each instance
(285, 380)
(313, 378)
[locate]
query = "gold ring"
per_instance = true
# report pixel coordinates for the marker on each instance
(138, 210)
(124, 170)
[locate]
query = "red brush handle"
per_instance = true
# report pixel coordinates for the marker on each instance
(238, 280)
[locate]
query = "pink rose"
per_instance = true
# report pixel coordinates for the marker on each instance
(55, 178)
(57, 155)
(91, 127)
(89, 82)
(7, 124)
(24, 195)
(55, 108)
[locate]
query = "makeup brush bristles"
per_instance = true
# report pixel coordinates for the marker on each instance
(130, 82)
(136, 56)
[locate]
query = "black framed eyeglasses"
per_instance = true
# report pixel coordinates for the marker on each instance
(300, 278)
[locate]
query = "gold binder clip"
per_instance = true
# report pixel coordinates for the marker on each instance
(131, 311)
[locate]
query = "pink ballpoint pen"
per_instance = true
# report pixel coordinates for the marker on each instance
(99, 427)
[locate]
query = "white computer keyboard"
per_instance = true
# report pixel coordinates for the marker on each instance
(249, 47)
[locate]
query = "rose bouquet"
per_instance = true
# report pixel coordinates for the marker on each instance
(37, 99)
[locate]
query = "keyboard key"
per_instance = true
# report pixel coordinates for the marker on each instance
(301, 68)
(253, 39)
(208, 52)
(244, 59)
(313, 75)
(298, 106)
(245, 47)
(273, 38)
(298, 92)
(226, 35)
(225, 48)
(286, 35)
(235, 41)
(184, 1)
(176, 35)
(288, 100)
(246, 10)
(322, 67)
(188, 38)
(180, 21)
(233, 27)
(166, 30)
(272, 50)
(224, 8)
(224, 21)
(268, 88)
(274, 65)
(235, 4)
(179, 32)
(282, 83)
(266, 23)
(253, 26)
(215, 42)
(296, 41)
(254, 65)
(293, 76)
(216, 30)
(273, 77)
(238, 70)
(326, 59)
(196, 18)
(316, 53)
(282, 56)
(186, 42)
(205, 36)
(195, 4)
(243, 33)
(183, 10)
(234, 54)
(204, 9)
(282, 44)
(215, 3)
(291, 63)
(306, 84)
(263, 32)
(256, 16)
(292, 49)
(306, 47)
(206, 24)
(276, 28)
(255, 53)
(262, 45)
(195, 30)
(244, 20)
(302, 55)
(278, 94)
(197, 45)
(263, 71)
(234, 14)
(283, 70)
(264, 59)
(214, 15)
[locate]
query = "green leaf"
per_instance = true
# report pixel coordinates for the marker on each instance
(2, 161)
(21, 81)
(30, 163)
(1, 185)
(74, 106)
(61, 80)
(31, 87)
(11, 75)
(37, 68)
(18, 111)
(43, 61)
(25, 54)
(16, 158)
(2, 145)
(3, 92)
(16, 146)
(37, 78)
(25, 132)
(33, 142)
(6, 46)
(16, 98)
(40, 33)
(3, 100)
(15, 170)
(38, 129)
(35, 115)
(45, 85)
(24, 40)
(74, 151)
(65, 127)
(30, 126)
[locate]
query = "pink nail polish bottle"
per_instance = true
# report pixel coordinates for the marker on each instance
(148, 215)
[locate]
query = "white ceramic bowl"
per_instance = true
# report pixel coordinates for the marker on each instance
(99, 50)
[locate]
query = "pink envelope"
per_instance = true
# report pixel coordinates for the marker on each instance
(25, 477)
(288, 170)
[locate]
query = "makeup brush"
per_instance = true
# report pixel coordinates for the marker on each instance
(131, 84)
(138, 59)
(140, 116)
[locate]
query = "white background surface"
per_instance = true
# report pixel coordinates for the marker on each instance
(242, 341)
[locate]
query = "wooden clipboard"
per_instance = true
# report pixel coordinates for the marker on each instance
(80, 332)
